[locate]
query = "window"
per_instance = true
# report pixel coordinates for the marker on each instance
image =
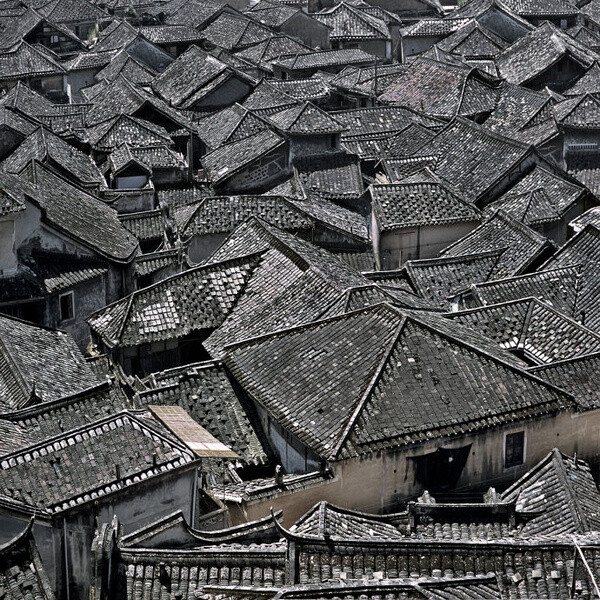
(54, 39)
(514, 449)
(67, 306)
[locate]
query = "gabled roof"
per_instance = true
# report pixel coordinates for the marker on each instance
(265, 51)
(92, 223)
(383, 390)
(204, 391)
(122, 158)
(334, 175)
(521, 245)
(229, 125)
(350, 23)
(199, 298)
(22, 573)
(235, 31)
(45, 147)
(538, 50)
(230, 158)
(589, 217)
(442, 90)
(540, 197)
(583, 248)
(530, 326)
(578, 376)
(424, 204)
(267, 98)
(434, 27)
(128, 66)
(367, 80)
(115, 36)
(273, 14)
(473, 40)
(325, 59)
(171, 34)
(305, 119)
(190, 12)
(89, 463)
(581, 111)
(542, 8)
(25, 61)
(38, 364)
(562, 491)
(108, 135)
(588, 83)
(314, 88)
(72, 11)
(188, 74)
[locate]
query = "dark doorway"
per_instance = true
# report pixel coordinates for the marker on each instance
(440, 470)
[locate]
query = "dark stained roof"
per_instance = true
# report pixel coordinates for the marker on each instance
(538, 50)
(230, 158)
(442, 90)
(561, 495)
(22, 574)
(88, 463)
(46, 147)
(199, 298)
(521, 245)
(539, 197)
(325, 59)
(93, 224)
(348, 22)
(26, 61)
(204, 391)
(424, 204)
(38, 364)
(384, 389)
(578, 376)
(530, 326)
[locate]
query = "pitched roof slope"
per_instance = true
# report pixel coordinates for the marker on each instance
(561, 489)
(374, 379)
(199, 298)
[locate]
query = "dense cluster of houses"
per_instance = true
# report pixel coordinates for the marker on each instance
(299, 299)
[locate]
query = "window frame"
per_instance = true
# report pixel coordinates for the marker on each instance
(513, 464)
(71, 295)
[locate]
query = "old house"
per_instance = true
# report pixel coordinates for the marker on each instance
(416, 219)
(353, 28)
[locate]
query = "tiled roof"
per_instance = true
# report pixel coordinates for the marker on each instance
(588, 83)
(122, 158)
(51, 418)
(24, 61)
(334, 175)
(23, 99)
(199, 298)
(542, 8)
(556, 287)
(367, 81)
(88, 463)
(269, 49)
(435, 27)
(124, 128)
(235, 31)
(530, 326)
(442, 90)
(194, 14)
(126, 65)
(305, 119)
(45, 146)
(171, 34)
(589, 217)
(326, 58)
(538, 197)
(22, 574)
(350, 23)
(383, 391)
(175, 197)
(93, 223)
(147, 225)
(38, 363)
(295, 282)
(473, 40)
(561, 495)
(153, 262)
(159, 156)
(521, 245)
(204, 391)
(268, 98)
(400, 205)
(582, 248)
(90, 60)
(538, 50)
(437, 279)
(272, 14)
(581, 112)
(187, 75)
(70, 11)
(229, 125)
(230, 158)
(312, 89)
(578, 376)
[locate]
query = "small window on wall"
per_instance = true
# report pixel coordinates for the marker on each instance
(514, 449)
(67, 306)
